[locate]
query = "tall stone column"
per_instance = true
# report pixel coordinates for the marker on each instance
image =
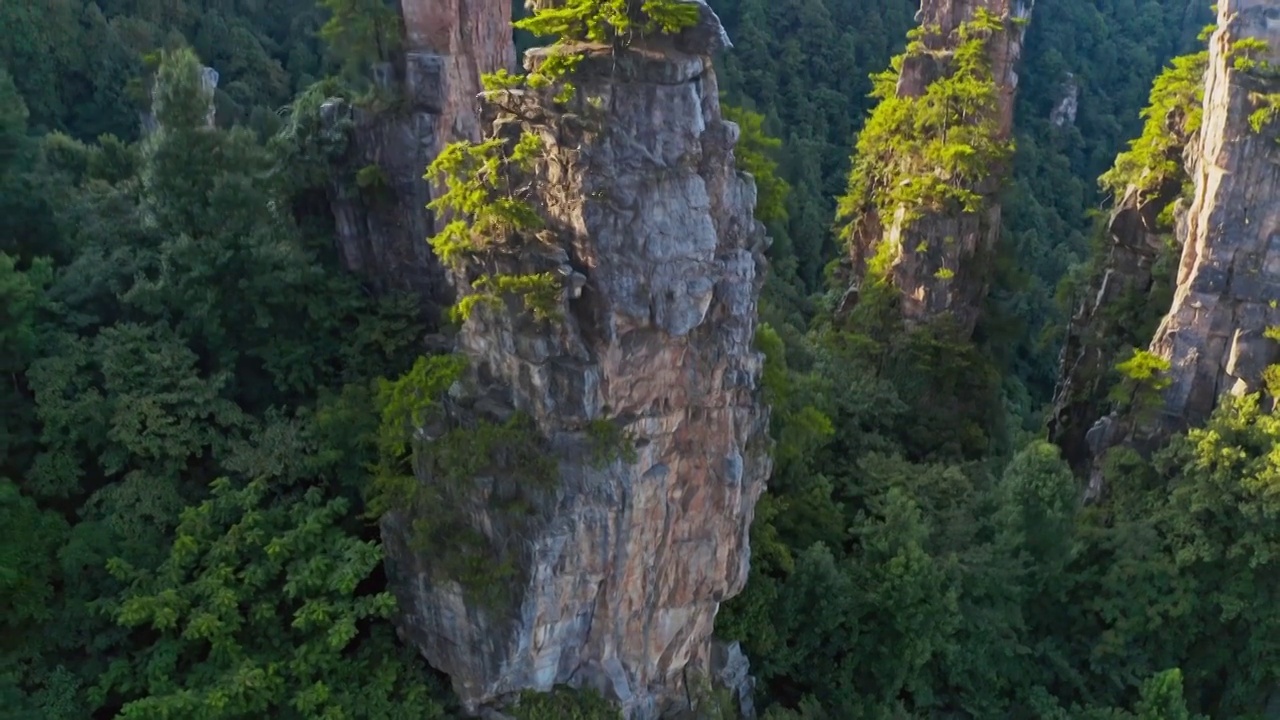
(1228, 284)
(940, 257)
(645, 390)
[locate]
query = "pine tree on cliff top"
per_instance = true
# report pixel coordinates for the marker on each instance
(610, 21)
(483, 191)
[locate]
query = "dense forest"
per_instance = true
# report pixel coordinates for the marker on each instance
(193, 391)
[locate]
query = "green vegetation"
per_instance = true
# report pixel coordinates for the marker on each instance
(490, 216)
(930, 152)
(256, 611)
(609, 22)
(1244, 56)
(485, 183)
(919, 554)
(1172, 117)
(1142, 379)
(361, 33)
(433, 481)
(1051, 208)
(564, 704)
(188, 422)
(609, 443)
(1244, 53)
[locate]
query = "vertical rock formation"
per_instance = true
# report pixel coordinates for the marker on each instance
(1214, 179)
(1228, 282)
(942, 18)
(645, 390)
(939, 252)
(1065, 111)
(1130, 287)
(381, 216)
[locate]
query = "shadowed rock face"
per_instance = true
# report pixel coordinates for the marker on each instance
(942, 259)
(1100, 331)
(1229, 276)
(621, 572)
(382, 233)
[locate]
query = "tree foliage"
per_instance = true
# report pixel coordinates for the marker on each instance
(175, 362)
(257, 610)
(1172, 116)
(929, 152)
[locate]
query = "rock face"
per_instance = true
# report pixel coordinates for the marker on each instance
(619, 575)
(1103, 325)
(1229, 277)
(1226, 225)
(382, 228)
(1065, 111)
(947, 15)
(941, 260)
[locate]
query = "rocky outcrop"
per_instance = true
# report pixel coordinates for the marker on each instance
(1221, 210)
(1068, 106)
(941, 258)
(1228, 282)
(379, 201)
(1112, 318)
(1005, 49)
(618, 567)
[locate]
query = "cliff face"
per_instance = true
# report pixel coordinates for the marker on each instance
(382, 227)
(940, 258)
(1228, 281)
(617, 568)
(1225, 203)
(1104, 324)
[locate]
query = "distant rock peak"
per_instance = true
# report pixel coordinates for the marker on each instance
(919, 217)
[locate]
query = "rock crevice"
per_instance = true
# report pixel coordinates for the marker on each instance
(1228, 283)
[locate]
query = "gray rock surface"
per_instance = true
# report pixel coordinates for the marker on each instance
(1068, 106)
(1105, 324)
(622, 571)
(1228, 282)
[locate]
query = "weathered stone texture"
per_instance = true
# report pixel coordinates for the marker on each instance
(1227, 283)
(1068, 106)
(1229, 276)
(942, 260)
(652, 229)
(1099, 331)
(382, 233)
